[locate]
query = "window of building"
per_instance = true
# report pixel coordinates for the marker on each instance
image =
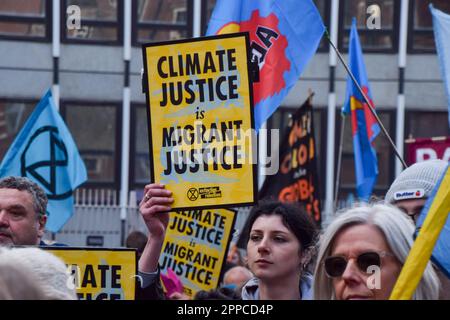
(372, 40)
(29, 20)
(207, 9)
(96, 131)
(385, 156)
(139, 148)
(157, 20)
(324, 8)
(421, 37)
(417, 124)
(101, 22)
(13, 115)
(281, 118)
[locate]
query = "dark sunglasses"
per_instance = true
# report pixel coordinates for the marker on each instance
(336, 265)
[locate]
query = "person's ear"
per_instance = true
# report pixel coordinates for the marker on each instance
(42, 220)
(306, 256)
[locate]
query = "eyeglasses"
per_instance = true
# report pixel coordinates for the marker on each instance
(336, 265)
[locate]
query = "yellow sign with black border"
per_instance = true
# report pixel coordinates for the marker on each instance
(196, 245)
(200, 116)
(100, 274)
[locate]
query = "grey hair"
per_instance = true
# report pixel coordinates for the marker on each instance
(38, 195)
(398, 231)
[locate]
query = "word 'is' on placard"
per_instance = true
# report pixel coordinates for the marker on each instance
(200, 116)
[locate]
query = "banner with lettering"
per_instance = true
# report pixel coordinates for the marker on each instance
(422, 149)
(100, 274)
(297, 179)
(200, 116)
(195, 247)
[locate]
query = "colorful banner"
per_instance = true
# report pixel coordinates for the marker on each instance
(284, 36)
(200, 120)
(297, 178)
(195, 247)
(365, 128)
(100, 274)
(422, 149)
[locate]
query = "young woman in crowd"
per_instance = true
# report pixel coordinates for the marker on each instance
(279, 241)
(361, 244)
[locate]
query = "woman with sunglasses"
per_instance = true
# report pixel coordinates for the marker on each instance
(279, 237)
(361, 255)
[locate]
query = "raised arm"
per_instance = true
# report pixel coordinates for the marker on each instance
(154, 207)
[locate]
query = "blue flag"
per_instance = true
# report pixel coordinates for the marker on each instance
(365, 128)
(44, 151)
(441, 251)
(441, 27)
(284, 35)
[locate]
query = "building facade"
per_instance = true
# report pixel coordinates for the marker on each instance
(95, 71)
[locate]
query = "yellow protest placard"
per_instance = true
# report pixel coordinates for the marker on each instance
(201, 136)
(195, 247)
(100, 274)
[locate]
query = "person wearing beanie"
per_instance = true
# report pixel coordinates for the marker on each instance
(47, 270)
(411, 189)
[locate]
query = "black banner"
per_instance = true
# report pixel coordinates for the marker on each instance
(297, 179)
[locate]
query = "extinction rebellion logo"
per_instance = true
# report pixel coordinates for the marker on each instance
(192, 194)
(49, 172)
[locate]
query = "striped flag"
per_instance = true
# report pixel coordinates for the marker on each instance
(365, 128)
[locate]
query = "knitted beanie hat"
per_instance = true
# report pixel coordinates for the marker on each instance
(48, 270)
(417, 181)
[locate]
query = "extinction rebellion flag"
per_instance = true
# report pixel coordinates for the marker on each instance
(297, 179)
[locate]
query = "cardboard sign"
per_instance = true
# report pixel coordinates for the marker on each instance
(100, 274)
(200, 116)
(195, 247)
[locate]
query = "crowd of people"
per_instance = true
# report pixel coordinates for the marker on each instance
(358, 255)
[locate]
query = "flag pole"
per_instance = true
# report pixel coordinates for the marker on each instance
(369, 104)
(310, 95)
(338, 173)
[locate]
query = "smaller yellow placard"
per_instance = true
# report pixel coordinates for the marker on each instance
(195, 247)
(100, 274)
